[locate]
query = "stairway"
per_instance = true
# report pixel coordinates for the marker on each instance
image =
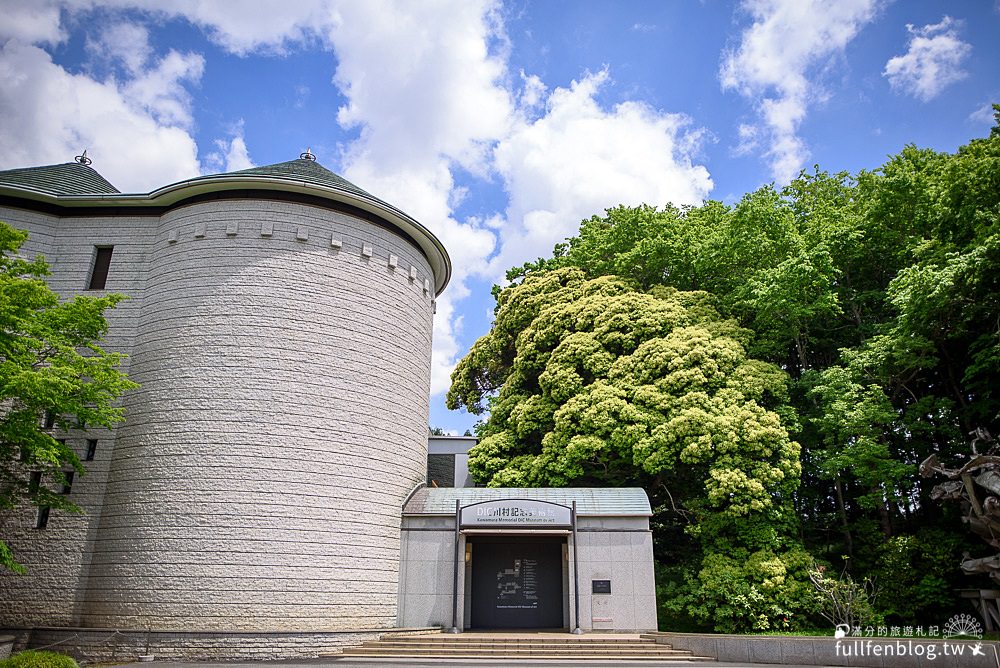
(534, 646)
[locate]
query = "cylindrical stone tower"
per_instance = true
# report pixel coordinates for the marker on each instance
(283, 352)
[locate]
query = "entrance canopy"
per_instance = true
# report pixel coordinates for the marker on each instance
(590, 501)
(477, 557)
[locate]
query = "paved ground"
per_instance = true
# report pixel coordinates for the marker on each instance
(451, 663)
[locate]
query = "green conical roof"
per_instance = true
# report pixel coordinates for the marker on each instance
(71, 178)
(302, 169)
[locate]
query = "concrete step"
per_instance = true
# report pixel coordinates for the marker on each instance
(553, 639)
(515, 643)
(520, 650)
(509, 659)
(594, 656)
(537, 646)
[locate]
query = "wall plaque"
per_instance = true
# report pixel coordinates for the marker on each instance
(600, 586)
(516, 513)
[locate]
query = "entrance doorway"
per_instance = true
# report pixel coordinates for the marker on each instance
(517, 582)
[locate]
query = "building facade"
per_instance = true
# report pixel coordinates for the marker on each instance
(279, 325)
(265, 496)
(572, 559)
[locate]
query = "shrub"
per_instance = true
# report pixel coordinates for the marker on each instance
(760, 591)
(919, 575)
(844, 601)
(39, 659)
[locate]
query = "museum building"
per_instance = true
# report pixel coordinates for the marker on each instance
(272, 491)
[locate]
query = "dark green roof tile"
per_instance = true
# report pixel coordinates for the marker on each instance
(70, 178)
(305, 170)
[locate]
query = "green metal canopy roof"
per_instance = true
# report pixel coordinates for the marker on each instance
(71, 178)
(590, 501)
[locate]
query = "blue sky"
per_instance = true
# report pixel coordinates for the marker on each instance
(499, 125)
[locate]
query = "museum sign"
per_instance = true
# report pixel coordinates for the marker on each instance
(516, 513)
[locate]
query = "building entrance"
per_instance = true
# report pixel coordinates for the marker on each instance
(517, 582)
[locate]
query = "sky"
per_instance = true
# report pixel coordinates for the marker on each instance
(499, 125)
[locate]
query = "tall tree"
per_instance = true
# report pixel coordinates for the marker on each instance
(594, 382)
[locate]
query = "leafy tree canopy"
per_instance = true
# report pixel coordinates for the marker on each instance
(687, 349)
(606, 381)
(50, 365)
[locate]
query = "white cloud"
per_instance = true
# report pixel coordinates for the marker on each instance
(239, 26)
(532, 93)
(31, 21)
(237, 155)
(302, 93)
(579, 159)
(437, 101)
(432, 60)
(932, 62)
(51, 115)
(984, 115)
(749, 139)
(161, 91)
(774, 63)
(244, 26)
(125, 43)
(232, 154)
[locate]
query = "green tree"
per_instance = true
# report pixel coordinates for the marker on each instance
(594, 382)
(878, 294)
(50, 365)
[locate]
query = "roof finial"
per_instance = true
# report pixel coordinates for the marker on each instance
(307, 156)
(83, 159)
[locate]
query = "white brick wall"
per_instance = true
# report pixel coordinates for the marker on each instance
(281, 422)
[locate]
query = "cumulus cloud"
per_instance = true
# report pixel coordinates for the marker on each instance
(31, 21)
(245, 26)
(428, 91)
(559, 155)
(984, 115)
(578, 159)
(231, 153)
(51, 115)
(135, 122)
(122, 43)
(932, 62)
(774, 66)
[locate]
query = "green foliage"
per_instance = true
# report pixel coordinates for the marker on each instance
(689, 350)
(844, 601)
(760, 591)
(920, 570)
(50, 363)
(39, 659)
(608, 383)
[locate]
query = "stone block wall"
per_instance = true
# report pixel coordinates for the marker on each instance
(283, 352)
(621, 552)
(115, 647)
(57, 557)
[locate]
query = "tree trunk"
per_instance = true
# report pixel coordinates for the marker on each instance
(842, 511)
(885, 518)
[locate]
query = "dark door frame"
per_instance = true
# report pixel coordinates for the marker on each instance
(553, 569)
